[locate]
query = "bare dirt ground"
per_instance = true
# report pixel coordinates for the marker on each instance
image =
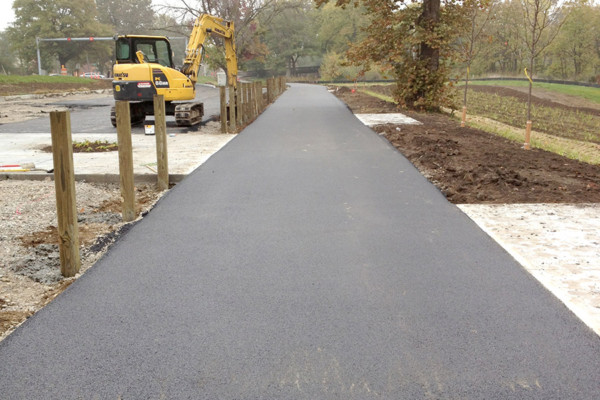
(472, 166)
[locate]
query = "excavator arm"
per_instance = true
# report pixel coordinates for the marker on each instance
(204, 26)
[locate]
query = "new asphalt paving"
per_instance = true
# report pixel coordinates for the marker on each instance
(308, 259)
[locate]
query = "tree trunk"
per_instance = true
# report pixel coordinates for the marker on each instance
(429, 20)
(428, 55)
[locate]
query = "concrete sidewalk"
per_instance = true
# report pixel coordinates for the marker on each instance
(307, 259)
(186, 152)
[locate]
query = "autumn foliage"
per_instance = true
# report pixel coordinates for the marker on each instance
(415, 42)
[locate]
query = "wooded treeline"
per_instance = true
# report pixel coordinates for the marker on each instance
(285, 36)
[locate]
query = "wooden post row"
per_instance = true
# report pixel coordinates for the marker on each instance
(125, 160)
(160, 130)
(64, 183)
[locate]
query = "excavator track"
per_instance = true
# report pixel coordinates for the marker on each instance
(189, 114)
(136, 110)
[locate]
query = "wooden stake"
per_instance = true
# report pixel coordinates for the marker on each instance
(64, 183)
(248, 102)
(255, 104)
(125, 160)
(527, 145)
(238, 104)
(270, 90)
(259, 95)
(223, 100)
(464, 117)
(232, 118)
(261, 99)
(160, 129)
(247, 117)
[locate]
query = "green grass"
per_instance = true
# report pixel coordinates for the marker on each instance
(358, 84)
(18, 79)
(576, 150)
(378, 95)
(207, 80)
(554, 121)
(588, 93)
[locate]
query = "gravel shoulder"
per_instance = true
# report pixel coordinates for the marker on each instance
(30, 262)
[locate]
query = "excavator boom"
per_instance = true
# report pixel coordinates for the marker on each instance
(203, 26)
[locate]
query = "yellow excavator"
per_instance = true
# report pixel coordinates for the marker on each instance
(144, 67)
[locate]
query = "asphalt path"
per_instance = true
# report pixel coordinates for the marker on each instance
(93, 116)
(308, 259)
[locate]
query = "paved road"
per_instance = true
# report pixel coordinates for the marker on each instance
(93, 116)
(306, 260)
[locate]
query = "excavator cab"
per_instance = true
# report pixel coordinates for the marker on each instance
(143, 68)
(156, 49)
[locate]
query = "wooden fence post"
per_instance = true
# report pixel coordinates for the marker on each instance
(238, 105)
(64, 184)
(125, 160)
(269, 91)
(248, 102)
(232, 117)
(257, 85)
(244, 96)
(256, 107)
(160, 129)
(260, 97)
(223, 100)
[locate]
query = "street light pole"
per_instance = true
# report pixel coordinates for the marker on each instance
(37, 45)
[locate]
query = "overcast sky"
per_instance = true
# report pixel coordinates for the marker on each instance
(7, 16)
(6, 13)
